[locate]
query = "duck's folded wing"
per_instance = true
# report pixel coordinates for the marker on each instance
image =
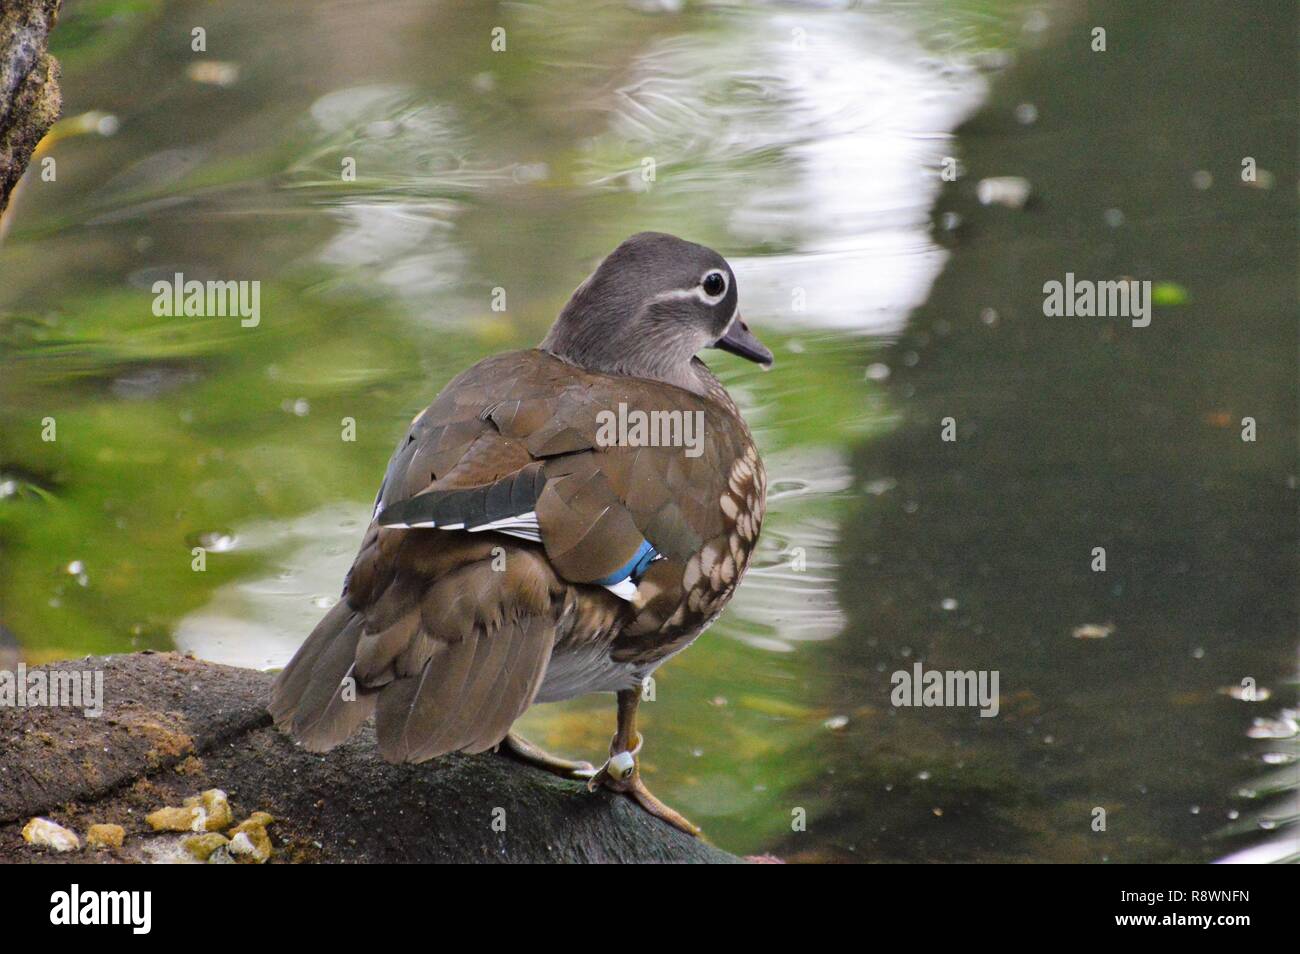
(531, 464)
(503, 504)
(566, 504)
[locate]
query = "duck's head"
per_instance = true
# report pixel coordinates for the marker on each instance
(651, 305)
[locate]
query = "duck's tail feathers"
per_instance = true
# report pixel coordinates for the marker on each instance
(316, 699)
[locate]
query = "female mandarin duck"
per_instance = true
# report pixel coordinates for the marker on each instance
(518, 555)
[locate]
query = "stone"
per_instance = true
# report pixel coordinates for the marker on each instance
(105, 836)
(44, 833)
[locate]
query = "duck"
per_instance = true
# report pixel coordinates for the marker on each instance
(561, 520)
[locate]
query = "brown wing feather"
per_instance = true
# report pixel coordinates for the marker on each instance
(523, 678)
(475, 660)
(308, 699)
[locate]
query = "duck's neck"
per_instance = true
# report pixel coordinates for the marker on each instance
(652, 364)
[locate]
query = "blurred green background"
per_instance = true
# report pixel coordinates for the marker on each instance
(805, 142)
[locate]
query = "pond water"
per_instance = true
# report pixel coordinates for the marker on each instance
(806, 142)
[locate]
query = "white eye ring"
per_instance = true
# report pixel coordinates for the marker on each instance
(714, 273)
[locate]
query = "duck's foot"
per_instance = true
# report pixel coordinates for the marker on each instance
(622, 773)
(520, 749)
(636, 788)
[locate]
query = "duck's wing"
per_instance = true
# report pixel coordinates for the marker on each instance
(529, 446)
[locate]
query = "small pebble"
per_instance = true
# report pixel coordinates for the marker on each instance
(191, 818)
(216, 807)
(47, 834)
(202, 846)
(207, 811)
(105, 836)
(249, 842)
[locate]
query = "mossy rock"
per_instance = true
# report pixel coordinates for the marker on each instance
(173, 726)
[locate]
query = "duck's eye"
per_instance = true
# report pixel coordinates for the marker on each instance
(715, 283)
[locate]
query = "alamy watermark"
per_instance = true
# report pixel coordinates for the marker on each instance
(946, 687)
(42, 688)
(211, 299)
(1084, 298)
(636, 428)
(132, 909)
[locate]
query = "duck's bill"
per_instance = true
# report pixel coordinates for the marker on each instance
(740, 341)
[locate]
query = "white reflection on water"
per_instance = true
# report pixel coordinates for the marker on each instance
(259, 622)
(788, 595)
(823, 135)
(1279, 789)
(818, 136)
(397, 212)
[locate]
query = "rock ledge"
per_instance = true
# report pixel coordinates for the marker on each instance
(173, 726)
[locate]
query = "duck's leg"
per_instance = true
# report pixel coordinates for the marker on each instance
(519, 748)
(622, 773)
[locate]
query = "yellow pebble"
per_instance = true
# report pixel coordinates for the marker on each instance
(105, 836)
